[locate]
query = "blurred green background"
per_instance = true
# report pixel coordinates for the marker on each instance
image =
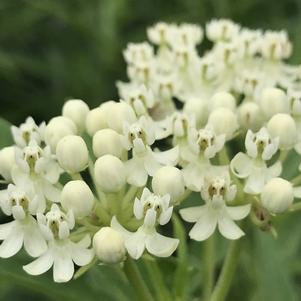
(51, 50)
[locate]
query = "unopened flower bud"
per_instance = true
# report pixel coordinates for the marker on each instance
(72, 154)
(284, 127)
(110, 173)
(277, 195)
(78, 197)
(109, 246)
(107, 141)
(77, 111)
(250, 116)
(97, 118)
(223, 100)
(57, 128)
(223, 121)
(119, 114)
(168, 180)
(197, 107)
(273, 101)
(7, 161)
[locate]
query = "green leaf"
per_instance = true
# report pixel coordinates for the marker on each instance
(6, 138)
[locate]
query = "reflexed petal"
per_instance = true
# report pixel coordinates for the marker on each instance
(116, 226)
(40, 265)
(274, 170)
(169, 157)
(165, 216)
(85, 242)
(193, 214)
(151, 164)
(136, 173)
(250, 145)
(135, 243)
(241, 165)
(256, 181)
(63, 267)
(34, 242)
(194, 176)
(13, 243)
(228, 228)
(81, 256)
(238, 212)
(5, 229)
(160, 245)
(297, 194)
(51, 192)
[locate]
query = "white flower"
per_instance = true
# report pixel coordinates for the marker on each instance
(27, 132)
(138, 137)
(260, 148)
(153, 210)
(37, 169)
(62, 253)
(160, 32)
(215, 212)
(23, 230)
(250, 115)
(140, 52)
(221, 30)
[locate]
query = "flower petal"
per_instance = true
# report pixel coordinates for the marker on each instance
(13, 243)
(239, 212)
(228, 228)
(160, 245)
(241, 165)
(80, 255)
(40, 265)
(193, 214)
(169, 157)
(63, 267)
(135, 243)
(136, 173)
(297, 194)
(5, 229)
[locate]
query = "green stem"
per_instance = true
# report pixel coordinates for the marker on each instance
(136, 280)
(225, 279)
(296, 181)
(157, 280)
(76, 176)
(209, 254)
(295, 207)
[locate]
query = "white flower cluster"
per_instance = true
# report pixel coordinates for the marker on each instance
(115, 173)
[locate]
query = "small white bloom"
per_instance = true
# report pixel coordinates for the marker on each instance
(215, 212)
(72, 153)
(23, 230)
(27, 132)
(277, 195)
(109, 246)
(7, 161)
(107, 141)
(223, 100)
(250, 116)
(62, 253)
(260, 148)
(153, 210)
(110, 173)
(168, 180)
(159, 33)
(57, 128)
(221, 30)
(78, 197)
(283, 126)
(77, 111)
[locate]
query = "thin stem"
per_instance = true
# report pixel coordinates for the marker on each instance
(136, 280)
(225, 279)
(296, 181)
(209, 262)
(76, 176)
(155, 275)
(129, 196)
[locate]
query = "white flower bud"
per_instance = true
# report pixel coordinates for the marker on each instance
(168, 180)
(223, 100)
(110, 173)
(277, 195)
(97, 118)
(107, 141)
(78, 197)
(284, 127)
(273, 101)
(119, 114)
(109, 246)
(72, 153)
(197, 107)
(77, 111)
(250, 116)
(223, 121)
(7, 161)
(57, 128)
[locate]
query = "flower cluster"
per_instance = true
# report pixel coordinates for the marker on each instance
(96, 185)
